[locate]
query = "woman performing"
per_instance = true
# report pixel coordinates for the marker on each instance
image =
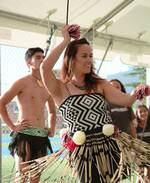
(81, 96)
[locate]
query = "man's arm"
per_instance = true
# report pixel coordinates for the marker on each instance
(52, 116)
(4, 100)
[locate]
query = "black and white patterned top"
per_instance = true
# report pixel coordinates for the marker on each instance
(85, 112)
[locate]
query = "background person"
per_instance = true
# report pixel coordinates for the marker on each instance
(123, 117)
(30, 135)
(143, 133)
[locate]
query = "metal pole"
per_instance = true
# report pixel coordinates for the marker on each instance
(52, 31)
(67, 13)
(0, 123)
(109, 45)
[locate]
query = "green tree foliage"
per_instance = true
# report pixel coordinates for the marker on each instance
(140, 73)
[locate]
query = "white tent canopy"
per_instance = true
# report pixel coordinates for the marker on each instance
(123, 22)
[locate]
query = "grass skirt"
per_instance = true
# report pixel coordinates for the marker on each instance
(99, 160)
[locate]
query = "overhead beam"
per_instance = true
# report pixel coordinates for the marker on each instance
(31, 24)
(23, 22)
(125, 40)
(109, 16)
(121, 44)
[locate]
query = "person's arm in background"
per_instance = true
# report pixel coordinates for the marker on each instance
(51, 116)
(133, 124)
(5, 99)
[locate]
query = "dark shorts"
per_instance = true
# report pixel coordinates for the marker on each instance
(35, 145)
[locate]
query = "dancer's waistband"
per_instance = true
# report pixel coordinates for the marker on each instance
(96, 130)
(89, 132)
(41, 132)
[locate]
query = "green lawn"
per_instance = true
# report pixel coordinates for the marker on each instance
(52, 174)
(8, 168)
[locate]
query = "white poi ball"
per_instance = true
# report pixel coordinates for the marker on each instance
(108, 129)
(63, 131)
(79, 138)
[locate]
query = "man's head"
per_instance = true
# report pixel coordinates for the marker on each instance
(34, 57)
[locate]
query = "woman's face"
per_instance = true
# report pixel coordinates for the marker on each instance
(142, 113)
(83, 59)
(116, 84)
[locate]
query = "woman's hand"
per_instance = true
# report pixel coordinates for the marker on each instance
(71, 31)
(65, 34)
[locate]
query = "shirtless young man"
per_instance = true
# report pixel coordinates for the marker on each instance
(30, 137)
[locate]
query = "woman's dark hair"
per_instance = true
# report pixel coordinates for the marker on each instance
(121, 84)
(91, 79)
(124, 91)
(31, 51)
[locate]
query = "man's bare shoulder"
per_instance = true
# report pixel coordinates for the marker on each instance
(25, 78)
(19, 85)
(21, 81)
(14, 90)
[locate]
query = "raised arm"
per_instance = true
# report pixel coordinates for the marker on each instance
(117, 97)
(48, 77)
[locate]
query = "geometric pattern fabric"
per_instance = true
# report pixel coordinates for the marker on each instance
(85, 112)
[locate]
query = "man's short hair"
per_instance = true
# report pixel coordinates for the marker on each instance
(31, 51)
